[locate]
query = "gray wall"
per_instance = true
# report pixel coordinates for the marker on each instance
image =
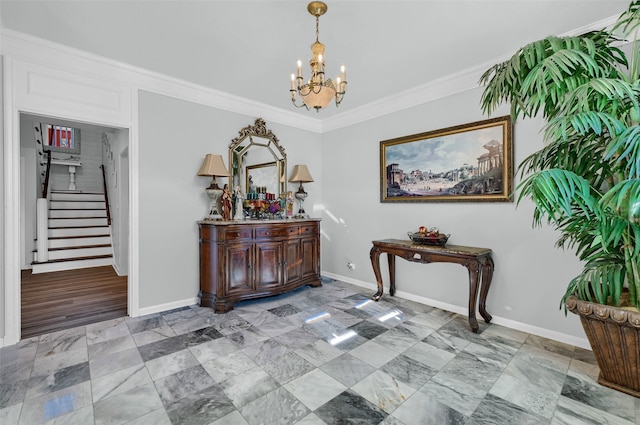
(530, 275)
(2, 200)
(174, 137)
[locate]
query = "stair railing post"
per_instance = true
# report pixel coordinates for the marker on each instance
(42, 229)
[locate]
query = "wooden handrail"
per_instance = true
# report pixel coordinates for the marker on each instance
(106, 196)
(45, 189)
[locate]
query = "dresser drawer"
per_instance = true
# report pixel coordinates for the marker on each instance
(237, 234)
(309, 229)
(276, 232)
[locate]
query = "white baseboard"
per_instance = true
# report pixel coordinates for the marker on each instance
(143, 311)
(1, 342)
(523, 327)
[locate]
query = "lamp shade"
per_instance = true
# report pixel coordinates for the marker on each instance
(300, 174)
(213, 165)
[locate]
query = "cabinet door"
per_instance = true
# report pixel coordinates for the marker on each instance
(293, 261)
(309, 257)
(240, 268)
(268, 264)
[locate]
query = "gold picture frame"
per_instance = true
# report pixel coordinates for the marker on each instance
(469, 163)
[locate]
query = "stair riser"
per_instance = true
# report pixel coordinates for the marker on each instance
(67, 205)
(70, 265)
(58, 196)
(76, 253)
(67, 222)
(70, 242)
(81, 231)
(76, 213)
(70, 215)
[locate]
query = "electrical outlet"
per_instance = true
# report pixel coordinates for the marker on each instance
(351, 266)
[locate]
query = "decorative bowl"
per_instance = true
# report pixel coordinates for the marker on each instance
(437, 239)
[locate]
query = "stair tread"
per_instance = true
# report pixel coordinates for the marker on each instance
(75, 218)
(62, 260)
(80, 247)
(77, 227)
(66, 192)
(79, 236)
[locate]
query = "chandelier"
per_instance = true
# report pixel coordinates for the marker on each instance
(317, 92)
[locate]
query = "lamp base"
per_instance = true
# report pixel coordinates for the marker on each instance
(301, 195)
(214, 193)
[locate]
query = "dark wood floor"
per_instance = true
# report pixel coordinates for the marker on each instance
(66, 299)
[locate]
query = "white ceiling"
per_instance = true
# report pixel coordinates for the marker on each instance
(249, 48)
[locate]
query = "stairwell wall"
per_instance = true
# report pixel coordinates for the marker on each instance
(29, 192)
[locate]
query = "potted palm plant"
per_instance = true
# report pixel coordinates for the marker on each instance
(585, 181)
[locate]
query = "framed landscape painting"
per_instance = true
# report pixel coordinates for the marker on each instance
(470, 162)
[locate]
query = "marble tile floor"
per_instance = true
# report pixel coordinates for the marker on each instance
(324, 355)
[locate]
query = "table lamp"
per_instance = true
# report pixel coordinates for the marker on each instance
(301, 175)
(213, 166)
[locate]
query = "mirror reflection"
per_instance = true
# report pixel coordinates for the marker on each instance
(262, 178)
(258, 164)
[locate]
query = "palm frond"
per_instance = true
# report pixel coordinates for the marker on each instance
(599, 282)
(556, 192)
(629, 21)
(585, 180)
(541, 73)
(620, 214)
(625, 148)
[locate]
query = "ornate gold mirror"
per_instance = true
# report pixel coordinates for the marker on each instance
(257, 161)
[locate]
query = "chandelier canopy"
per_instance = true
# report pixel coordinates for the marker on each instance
(317, 92)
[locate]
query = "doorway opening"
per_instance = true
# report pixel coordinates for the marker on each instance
(80, 276)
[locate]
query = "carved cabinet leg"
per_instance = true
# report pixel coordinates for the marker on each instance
(374, 254)
(487, 274)
(391, 259)
(474, 269)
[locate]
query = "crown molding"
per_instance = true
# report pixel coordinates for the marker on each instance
(37, 50)
(467, 79)
(43, 52)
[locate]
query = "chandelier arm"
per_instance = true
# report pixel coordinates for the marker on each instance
(299, 106)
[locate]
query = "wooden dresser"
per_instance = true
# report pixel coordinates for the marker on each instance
(241, 260)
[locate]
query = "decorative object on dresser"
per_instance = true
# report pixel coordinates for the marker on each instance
(301, 175)
(242, 260)
(213, 166)
(317, 92)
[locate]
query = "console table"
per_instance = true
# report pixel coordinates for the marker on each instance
(477, 260)
(245, 259)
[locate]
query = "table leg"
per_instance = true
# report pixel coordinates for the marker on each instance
(487, 274)
(474, 269)
(374, 254)
(391, 259)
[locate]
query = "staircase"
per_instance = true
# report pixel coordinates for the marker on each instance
(78, 233)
